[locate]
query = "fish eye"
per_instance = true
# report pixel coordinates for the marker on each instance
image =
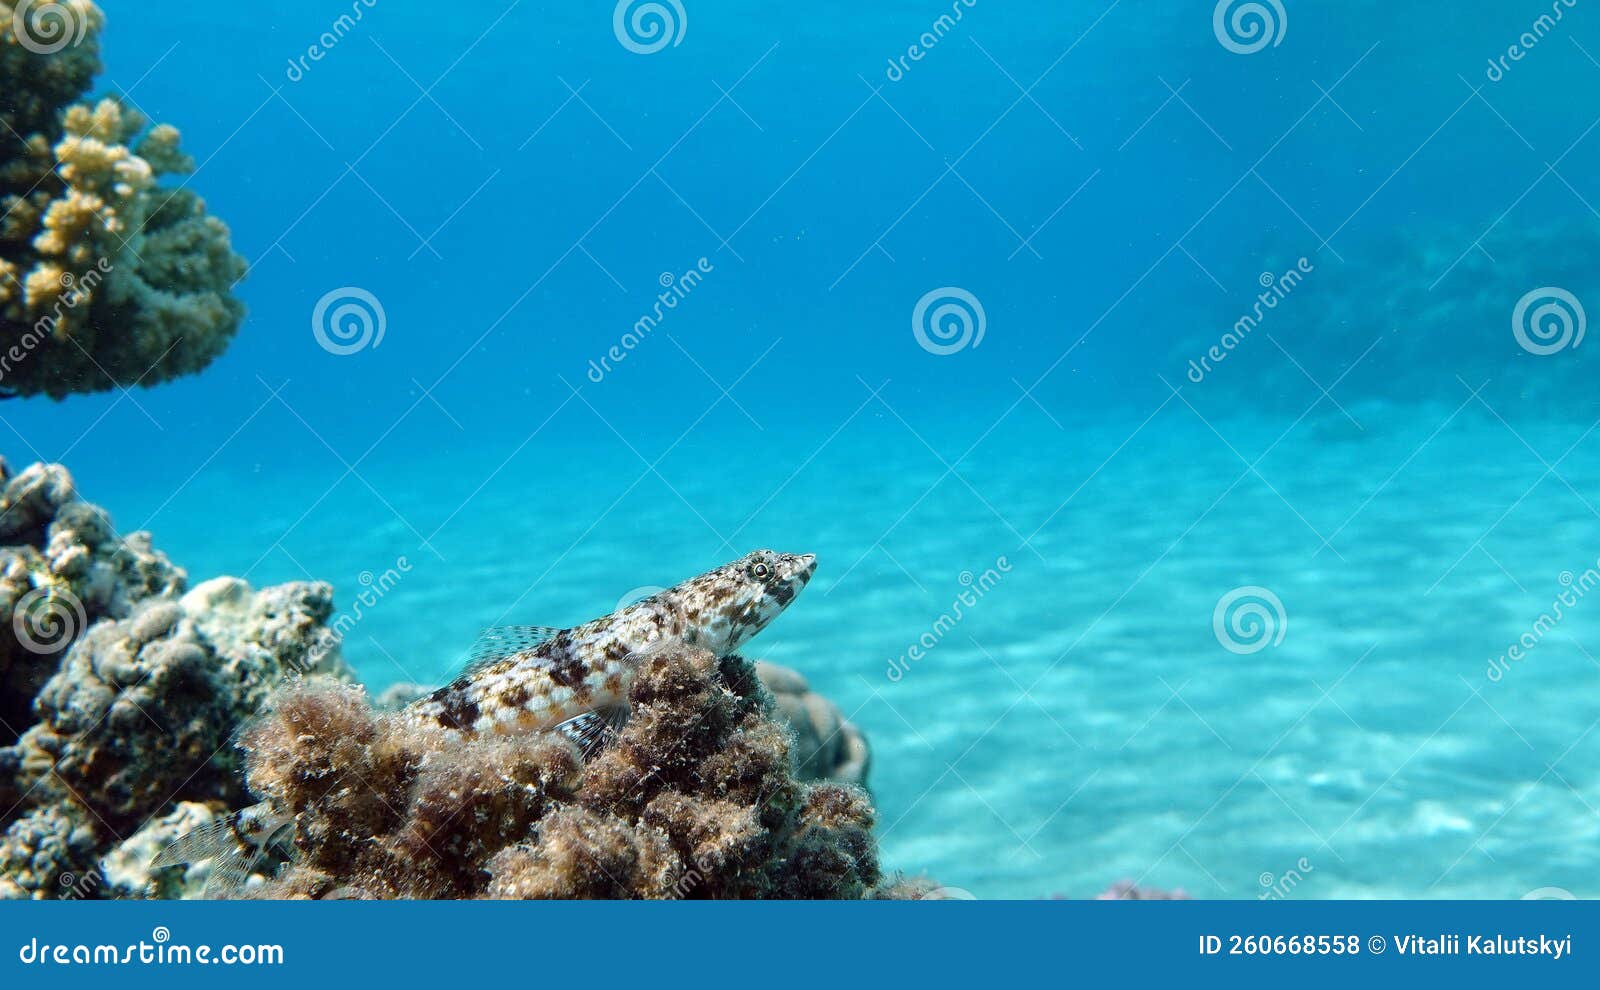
(760, 571)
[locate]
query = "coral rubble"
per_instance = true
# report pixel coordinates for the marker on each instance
(696, 797)
(119, 693)
(107, 278)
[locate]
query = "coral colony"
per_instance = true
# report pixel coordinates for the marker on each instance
(107, 278)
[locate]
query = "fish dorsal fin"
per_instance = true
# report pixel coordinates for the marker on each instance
(496, 643)
(592, 730)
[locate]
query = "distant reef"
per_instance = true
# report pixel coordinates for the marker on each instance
(108, 277)
(1425, 313)
(134, 708)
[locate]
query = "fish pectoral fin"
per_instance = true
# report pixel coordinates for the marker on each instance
(499, 642)
(212, 840)
(592, 730)
(233, 860)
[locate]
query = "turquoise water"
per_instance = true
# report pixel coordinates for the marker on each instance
(1380, 464)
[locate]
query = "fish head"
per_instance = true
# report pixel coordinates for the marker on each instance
(729, 605)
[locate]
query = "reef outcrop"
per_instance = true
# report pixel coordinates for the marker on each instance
(108, 278)
(119, 692)
(1429, 313)
(827, 746)
(696, 797)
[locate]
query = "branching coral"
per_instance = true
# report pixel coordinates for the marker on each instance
(119, 693)
(695, 797)
(106, 278)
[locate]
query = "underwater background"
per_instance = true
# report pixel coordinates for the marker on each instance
(1106, 605)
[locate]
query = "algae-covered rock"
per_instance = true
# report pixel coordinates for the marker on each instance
(696, 797)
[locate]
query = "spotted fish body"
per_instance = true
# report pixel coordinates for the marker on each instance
(528, 679)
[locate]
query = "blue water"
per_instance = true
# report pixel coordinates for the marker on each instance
(1109, 181)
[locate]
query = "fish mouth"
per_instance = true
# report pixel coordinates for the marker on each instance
(808, 567)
